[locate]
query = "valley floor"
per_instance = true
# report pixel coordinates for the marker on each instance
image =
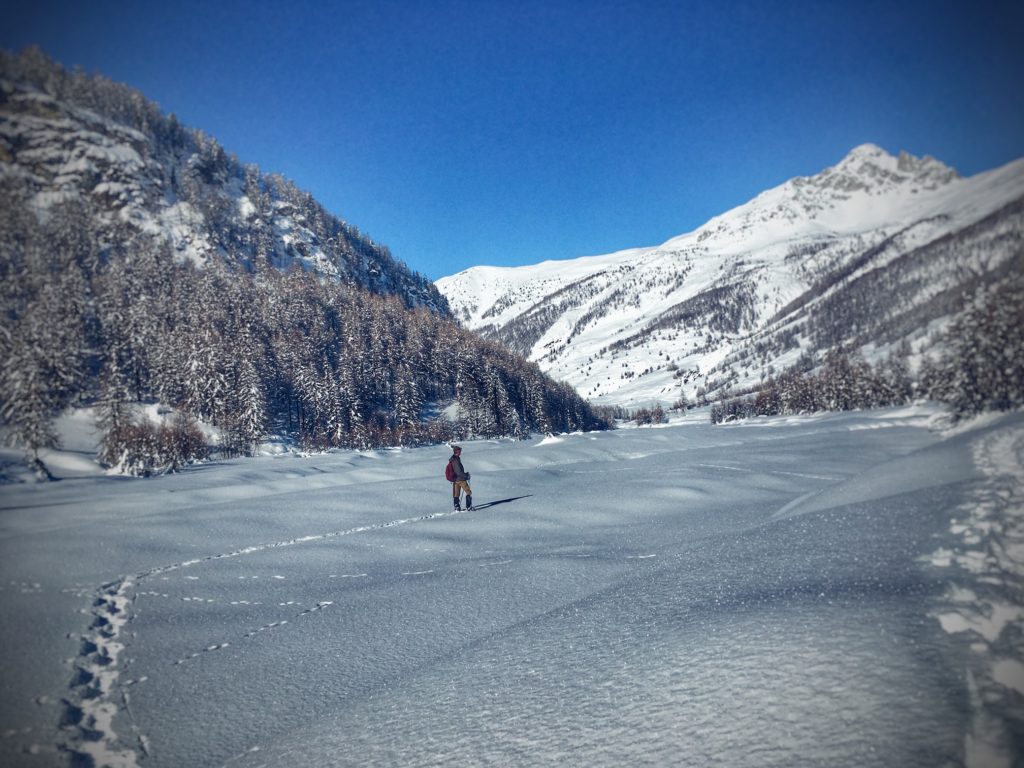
(838, 590)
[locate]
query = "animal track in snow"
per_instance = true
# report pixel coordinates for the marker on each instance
(87, 731)
(318, 607)
(25, 587)
(265, 627)
(208, 649)
(259, 630)
(257, 548)
(78, 591)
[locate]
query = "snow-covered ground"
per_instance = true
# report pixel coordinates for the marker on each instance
(839, 590)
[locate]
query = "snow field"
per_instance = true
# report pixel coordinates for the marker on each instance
(761, 594)
(986, 599)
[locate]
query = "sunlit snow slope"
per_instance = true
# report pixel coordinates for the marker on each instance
(873, 251)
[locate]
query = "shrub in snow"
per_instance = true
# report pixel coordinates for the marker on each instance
(655, 415)
(145, 448)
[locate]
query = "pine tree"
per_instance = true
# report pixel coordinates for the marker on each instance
(247, 422)
(27, 403)
(114, 416)
(895, 381)
(984, 368)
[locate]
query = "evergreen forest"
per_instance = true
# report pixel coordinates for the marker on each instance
(268, 316)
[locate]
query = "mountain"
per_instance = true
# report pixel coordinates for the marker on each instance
(147, 274)
(875, 253)
(68, 136)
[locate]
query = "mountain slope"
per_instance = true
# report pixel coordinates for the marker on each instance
(874, 251)
(146, 274)
(68, 136)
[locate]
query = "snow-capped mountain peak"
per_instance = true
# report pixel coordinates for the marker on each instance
(869, 167)
(866, 189)
(895, 236)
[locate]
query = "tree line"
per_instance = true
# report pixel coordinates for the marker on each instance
(980, 368)
(252, 352)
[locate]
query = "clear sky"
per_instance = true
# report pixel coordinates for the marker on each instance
(464, 132)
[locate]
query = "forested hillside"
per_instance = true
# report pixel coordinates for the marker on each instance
(141, 263)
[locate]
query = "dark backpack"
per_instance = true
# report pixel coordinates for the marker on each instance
(449, 472)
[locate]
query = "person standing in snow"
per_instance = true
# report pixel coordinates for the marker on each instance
(460, 478)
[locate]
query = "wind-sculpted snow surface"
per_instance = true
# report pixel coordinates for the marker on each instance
(840, 590)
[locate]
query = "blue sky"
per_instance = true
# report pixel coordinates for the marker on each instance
(460, 133)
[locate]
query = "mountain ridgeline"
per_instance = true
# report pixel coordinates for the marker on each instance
(142, 263)
(882, 260)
